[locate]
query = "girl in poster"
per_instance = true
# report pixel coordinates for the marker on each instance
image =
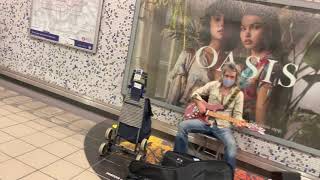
(219, 31)
(260, 36)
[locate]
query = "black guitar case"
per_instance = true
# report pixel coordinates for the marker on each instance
(175, 159)
(198, 170)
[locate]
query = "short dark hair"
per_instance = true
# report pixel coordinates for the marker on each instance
(231, 15)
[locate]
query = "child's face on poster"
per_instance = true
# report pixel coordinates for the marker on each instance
(251, 32)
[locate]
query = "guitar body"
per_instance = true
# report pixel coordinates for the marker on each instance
(192, 111)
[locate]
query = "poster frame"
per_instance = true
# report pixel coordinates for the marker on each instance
(96, 36)
(305, 5)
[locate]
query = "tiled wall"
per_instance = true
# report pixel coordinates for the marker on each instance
(100, 76)
(97, 76)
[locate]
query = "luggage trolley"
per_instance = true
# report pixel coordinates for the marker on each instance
(134, 124)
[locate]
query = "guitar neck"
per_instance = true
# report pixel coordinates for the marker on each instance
(250, 126)
(223, 117)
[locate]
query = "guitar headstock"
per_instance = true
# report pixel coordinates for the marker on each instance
(256, 128)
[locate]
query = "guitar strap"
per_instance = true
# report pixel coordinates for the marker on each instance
(233, 96)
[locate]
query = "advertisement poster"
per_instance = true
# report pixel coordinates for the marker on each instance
(73, 23)
(182, 44)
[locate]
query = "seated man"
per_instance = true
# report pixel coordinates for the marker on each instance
(224, 92)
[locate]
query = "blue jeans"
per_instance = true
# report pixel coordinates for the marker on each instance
(197, 126)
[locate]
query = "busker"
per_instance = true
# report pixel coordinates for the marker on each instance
(225, 92)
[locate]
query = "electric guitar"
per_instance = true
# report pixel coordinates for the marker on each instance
(241, 122)
(192, 112)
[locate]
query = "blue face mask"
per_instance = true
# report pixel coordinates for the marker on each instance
(228, 82)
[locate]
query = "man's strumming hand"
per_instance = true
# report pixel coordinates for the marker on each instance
(202, 107)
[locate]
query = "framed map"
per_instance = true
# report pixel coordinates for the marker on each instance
(74, 23)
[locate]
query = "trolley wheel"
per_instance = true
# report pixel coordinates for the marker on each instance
(140, 157)
(143, 145)
(103, 149)
(108, 134)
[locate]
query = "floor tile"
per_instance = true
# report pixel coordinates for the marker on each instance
(84, 158)
(38, 158)
(32, 105)
(39, 139)
(87, 175)
(16, 147)
(11, 108)
(4, 112)
(48, 112)
(7, 93)
(14, 169)
(35, 125)
(84, 124)
(17, 118)
(75, 128)
(6, 122)
(38, 176)
(76, 140)
(58, 121)
(62, 170)
(4, 137)
(16, 100)
(55, 134)
(4, 157)
(44, 122)
(60, 148)
(19, 130)
(68, 117)
(64, 130)
(27, 115)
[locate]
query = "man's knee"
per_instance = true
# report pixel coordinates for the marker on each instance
(182, 128)
(231, 148)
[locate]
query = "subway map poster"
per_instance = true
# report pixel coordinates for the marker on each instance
(73, 23)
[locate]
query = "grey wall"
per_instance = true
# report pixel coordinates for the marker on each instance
(100, 76)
